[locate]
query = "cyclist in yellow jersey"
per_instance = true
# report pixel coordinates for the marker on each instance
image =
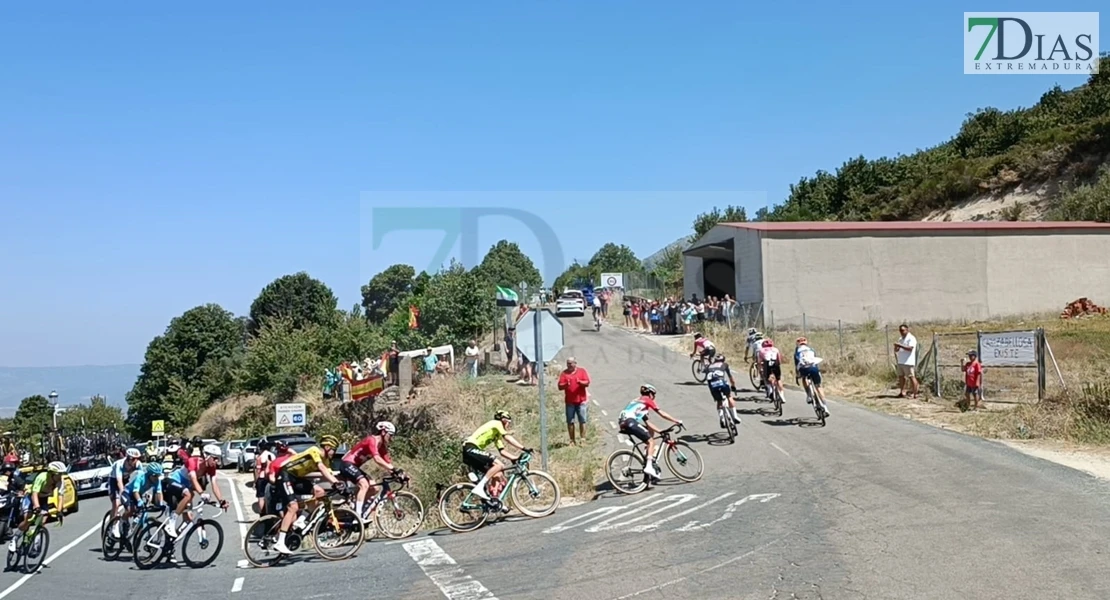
(293, 481)
(494, 432)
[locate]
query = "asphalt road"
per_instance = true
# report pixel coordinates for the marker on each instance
(869, 506)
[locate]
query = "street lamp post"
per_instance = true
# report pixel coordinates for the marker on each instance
(54, 404)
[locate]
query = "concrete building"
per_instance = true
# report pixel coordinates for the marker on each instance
(901, 271)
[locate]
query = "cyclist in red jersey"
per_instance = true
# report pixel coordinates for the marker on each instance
(282, 453)
(372, 447)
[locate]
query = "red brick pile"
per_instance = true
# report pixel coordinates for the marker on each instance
(1081, 308)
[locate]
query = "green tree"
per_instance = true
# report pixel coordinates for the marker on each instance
(386, 291)
(97, 415)
(506, 266)
(300, 298)
(34, 416)
(352, 337)
(455, 307)
(282, 358)
(575, 275)
(1088, 202)
(612, 258)
(194, 354)
(708, 220)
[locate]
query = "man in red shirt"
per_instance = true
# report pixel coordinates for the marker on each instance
(973, 379)
(573, 381)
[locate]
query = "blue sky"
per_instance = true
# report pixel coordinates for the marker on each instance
(156, 157)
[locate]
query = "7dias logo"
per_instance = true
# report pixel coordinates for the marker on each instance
(1031, 43)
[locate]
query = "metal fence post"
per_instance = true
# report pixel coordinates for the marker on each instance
(886, 332)
(979, 355)
(936, 366)
(804, 334)
(840, 337)
(1040, 364)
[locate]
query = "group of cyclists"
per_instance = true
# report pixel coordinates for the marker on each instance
(768, 357)
(35, 500)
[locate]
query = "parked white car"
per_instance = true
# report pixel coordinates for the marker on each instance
(90, 475)
(572, 302)
(231, 451)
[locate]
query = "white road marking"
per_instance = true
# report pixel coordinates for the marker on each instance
(776, 447)
(243, 564)
(695, 526)
(238, 585)
(655, 525)
(626, 442)
(19, 582)
(604, 412)
(444, 572)
(612, 424)
(594, 515)
(668, 503)
(231, 483)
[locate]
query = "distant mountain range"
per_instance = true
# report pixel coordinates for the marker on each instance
(75, 385)
(681, 243)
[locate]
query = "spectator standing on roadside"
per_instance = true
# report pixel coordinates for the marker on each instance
(509, 348)
(574, 381)
(394, 368)
(905, 350)
(627, 309)
(472, 359)
(430, 363)
(973, 380)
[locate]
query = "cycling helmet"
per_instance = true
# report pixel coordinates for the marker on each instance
(329, 440)
(154, 468)
(196, 441)
(134, 453)
(718, 358)
(263, 446)
(7, 468)
(386, 427)
(502, 416)
(280, 445)
(768, 343)
(646, 389)
(56, 466)
(697, 336)
(801, 340)
(751, 331)
(212, 451)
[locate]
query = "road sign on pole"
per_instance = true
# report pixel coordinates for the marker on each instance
(157, 428)
(552, 338)
(537, 322)
(290, 415)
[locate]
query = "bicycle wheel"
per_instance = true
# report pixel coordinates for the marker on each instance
(698, 369)
(110, 544)
(261, 537)
(36, 549)
(401, 517)
(209, 536)
(151, 545)
(625, 470)
(108, 516)
(14, 558)
(819, 409)
(339, 535)
(532, 486)
(755, 376)
(778, 402)
(730, 426)
(457, 504)
(684, 462)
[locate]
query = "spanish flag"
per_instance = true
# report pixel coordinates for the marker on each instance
(363, 389)
(413, 314)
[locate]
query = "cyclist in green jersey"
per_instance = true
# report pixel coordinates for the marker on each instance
(494, 432)
(46, 484)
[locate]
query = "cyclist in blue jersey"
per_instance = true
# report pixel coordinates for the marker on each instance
(147, 480)
(188, 481)
(806, 368)
(721, 385)
(121, 472)
(634, 422)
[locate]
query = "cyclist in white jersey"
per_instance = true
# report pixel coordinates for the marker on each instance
(805, 367)
(721, 385)
(754, 341)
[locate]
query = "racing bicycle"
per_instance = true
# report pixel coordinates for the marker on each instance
(725, 417)
(625, 468)
(329, 526)
(112, 544)
(700, 368)
(458, 502)
(391, 507)
(813, 398)
(772, 393)
(153, 543)
(32, 545)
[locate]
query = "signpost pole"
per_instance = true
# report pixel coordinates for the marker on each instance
(539, 375)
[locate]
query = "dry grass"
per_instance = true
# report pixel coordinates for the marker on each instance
(858, 365)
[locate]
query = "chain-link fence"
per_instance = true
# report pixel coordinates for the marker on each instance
(646, 285)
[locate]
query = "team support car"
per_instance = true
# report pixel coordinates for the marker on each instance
(91, 475)
(572, 302)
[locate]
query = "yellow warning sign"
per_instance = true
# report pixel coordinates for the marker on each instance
(157, 427)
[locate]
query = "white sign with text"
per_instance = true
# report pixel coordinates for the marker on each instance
(1009, 349)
